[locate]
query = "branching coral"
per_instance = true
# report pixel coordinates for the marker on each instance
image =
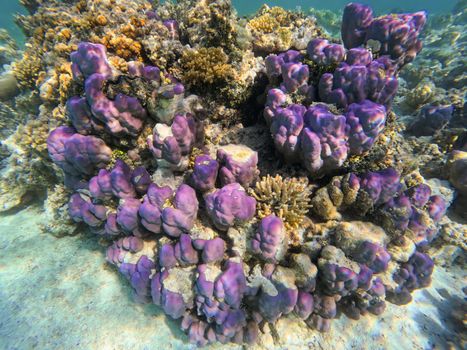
(27, 69)
(288, 199)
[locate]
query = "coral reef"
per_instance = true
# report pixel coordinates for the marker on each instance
(170, 181)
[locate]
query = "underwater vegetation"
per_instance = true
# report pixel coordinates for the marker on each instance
(241, 171)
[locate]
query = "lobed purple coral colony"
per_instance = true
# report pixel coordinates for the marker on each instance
(397, 35)
(77, 155)
(229, 206)
(432, 119)
(270, 242)
(95, 112)
(353, 80)
(174, 144)
(204, 174)
(321, 140)
(238, 163)
(225, 278)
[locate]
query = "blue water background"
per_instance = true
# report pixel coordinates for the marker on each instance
(244, 7)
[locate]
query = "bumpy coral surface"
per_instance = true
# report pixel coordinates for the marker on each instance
(171, 180)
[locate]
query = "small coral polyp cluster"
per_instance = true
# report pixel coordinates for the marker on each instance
(194, 228)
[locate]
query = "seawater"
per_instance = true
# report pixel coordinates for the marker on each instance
(246, 7)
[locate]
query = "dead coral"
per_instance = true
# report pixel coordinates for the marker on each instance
(204, 23)
(288, 198)
(58, 220)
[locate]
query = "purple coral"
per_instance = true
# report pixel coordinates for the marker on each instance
(120, 179)
(340, 275)
(77, 155)
(365, 301)
(414, 274)
(140, 179)
(138, 269)
(380, 186)
(180, 216)
(238, 163)
(80, 115)
(322, 140)
(273, 305)
(366, 121)
(212, 249)
(431, 119)
(193, 275)
(186, 251)
(122, 116)
(356, 19)
(204, 173)
(174, 144)
(151, 208)
(218, 298)
(139, 276)
(397, 35)
(117, 252)
(305, 304)
(321, 52)
(286, 127)
(90, 59)
(415, 212)
(229, 206)
(270, 242)
(81, 209)
(167, 293)
(175, 213)
(354, 83)
(100, 186)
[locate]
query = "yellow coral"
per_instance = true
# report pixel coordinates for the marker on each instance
(206, 66)
(270, 19)
(422, 94)
(123, 46)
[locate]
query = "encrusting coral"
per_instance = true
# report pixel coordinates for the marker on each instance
(156, 172)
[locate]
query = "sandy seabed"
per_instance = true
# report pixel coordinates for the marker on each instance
(59, 293)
